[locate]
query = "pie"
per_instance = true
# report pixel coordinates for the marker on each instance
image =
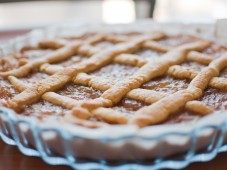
(100, 79)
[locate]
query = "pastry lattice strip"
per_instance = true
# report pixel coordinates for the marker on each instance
(107, 114)
(64, 50)
(160, 110)
(64, 102)
(59, 79)
(147, 96)
(175, 71)
(164, 62)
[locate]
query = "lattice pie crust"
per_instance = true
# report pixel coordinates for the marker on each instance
(158, 105)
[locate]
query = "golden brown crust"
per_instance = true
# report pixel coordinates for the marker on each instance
(130, 59)
(49, 96)
(59, 79)
(161, 105)
(162, 109)
(50, 69)
(156, 46)
(199, 57)
(59, 55)
(198, 107)
(182, 72)
(110, 116)
(53, 43)
(189, 73)
(145, 73)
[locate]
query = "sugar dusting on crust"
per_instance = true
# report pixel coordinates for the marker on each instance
(116, 72)
(215, 98)
(80, 93)
(166, 84)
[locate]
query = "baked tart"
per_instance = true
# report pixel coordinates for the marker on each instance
(100, 79)
(124, 92)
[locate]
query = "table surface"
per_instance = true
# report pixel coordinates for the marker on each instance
(12, 159)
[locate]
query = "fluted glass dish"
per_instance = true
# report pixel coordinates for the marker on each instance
(32, 139)
(163, 146)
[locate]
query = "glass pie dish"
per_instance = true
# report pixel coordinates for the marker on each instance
(159, 146)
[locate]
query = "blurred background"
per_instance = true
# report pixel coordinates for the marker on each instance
(19, 14)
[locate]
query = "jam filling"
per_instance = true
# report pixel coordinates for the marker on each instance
(44, 110)
(215, 98)
(215, 50)
(193, 65)
(116, 72)
(6, 91)
(176, 40)
(223, 73)
(79, 92)
(183, 116)
(148, 54)
(9, 63)
(34, 54)
(166, 84)
(129, 106)
(72, 60)
(34, 77)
